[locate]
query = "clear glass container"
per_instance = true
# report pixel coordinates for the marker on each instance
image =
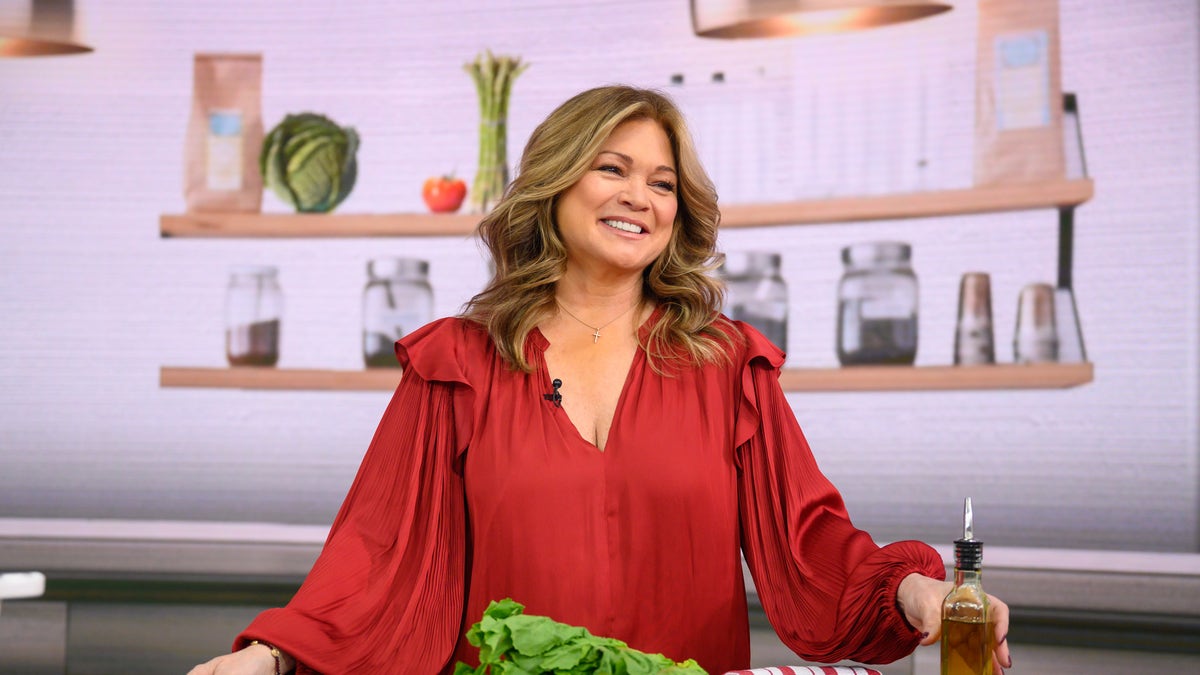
(253, 311)
(877, 305)
(974, 340)
(968, 627)
(756, 293)
(396, 301)
(1035, 339)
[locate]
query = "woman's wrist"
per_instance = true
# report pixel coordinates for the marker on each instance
(282, 662)
(904, 591)
(919, 602)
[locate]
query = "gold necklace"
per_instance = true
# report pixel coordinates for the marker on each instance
(595, 329)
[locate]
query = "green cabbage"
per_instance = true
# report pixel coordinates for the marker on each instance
(308, 161)
(514, 643)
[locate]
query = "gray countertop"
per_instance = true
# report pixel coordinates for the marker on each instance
(1060, 579)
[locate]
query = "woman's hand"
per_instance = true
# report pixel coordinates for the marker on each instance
(920, 599)
(252, 660)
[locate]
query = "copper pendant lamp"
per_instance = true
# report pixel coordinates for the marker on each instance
(38, 28)
(780, 18)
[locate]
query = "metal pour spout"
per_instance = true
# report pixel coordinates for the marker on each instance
(968, 521)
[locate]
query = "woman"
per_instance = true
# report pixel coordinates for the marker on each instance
(594, 440)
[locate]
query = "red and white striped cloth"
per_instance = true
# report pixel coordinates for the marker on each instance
(808, 670)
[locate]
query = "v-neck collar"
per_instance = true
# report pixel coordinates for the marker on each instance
(540, 344)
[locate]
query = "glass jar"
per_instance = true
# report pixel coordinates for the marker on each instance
(253, 310)
(756, 293)
(877, 305)
(396, 301)
(1035, 339)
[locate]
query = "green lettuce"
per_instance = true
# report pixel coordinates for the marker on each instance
(310, 162)
(511, 642)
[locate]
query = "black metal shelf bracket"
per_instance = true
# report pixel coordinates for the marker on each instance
(1066, 245)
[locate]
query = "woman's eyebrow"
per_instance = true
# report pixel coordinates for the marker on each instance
(629, 160)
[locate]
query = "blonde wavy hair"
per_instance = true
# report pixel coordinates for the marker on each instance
(530, 256)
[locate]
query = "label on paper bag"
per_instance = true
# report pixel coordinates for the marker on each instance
(1022, 84)
(223, 165)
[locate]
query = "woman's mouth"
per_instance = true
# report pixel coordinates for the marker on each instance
(623, 226)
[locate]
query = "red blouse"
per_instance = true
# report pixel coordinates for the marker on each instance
(476, 488)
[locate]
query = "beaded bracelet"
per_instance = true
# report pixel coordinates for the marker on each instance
(275, 653)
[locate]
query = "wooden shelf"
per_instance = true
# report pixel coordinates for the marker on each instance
(931, 204)
(858, 378)
(1052, 194)
(934, 378)
(316, 225)
(249, 377)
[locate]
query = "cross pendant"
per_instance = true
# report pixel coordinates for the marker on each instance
(596, 336)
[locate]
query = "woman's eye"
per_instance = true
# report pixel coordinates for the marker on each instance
(665, 186)
(610, 168)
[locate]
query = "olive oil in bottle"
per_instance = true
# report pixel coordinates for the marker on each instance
(967, 627)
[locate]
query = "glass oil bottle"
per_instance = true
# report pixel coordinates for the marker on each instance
(967, 627)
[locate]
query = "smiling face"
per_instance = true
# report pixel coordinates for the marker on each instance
(618, 217)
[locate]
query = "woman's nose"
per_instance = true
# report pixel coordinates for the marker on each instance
(634, 196)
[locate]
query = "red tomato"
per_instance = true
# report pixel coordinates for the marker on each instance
(444, 194)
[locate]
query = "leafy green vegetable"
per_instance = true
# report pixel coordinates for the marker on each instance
(511, 642)
(309, 162)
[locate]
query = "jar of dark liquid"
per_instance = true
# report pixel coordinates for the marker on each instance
(756, 293)
(877, 305)
(396, 301)
(253, 309)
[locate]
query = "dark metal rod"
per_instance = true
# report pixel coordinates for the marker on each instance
(1066, 243)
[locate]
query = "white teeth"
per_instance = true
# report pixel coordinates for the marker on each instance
(623, 226)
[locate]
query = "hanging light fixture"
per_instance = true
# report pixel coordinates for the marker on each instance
(38, 28)
(779, 18)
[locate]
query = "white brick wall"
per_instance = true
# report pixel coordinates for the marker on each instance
(93, 301)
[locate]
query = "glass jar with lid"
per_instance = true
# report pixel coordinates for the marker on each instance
(877, 305)
(253, 311)
(396, 301)
(756, 293)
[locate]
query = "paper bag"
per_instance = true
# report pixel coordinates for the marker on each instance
(1018, 113)
(224, 135)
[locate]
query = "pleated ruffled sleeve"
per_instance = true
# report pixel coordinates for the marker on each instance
(827, 588)
(386, 594)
